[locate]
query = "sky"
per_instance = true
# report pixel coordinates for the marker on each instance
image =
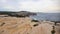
(48, 6)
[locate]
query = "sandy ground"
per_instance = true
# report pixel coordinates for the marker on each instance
(13, 25)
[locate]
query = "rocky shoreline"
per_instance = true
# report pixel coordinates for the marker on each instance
(14, 25)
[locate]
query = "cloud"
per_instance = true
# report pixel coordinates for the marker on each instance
(29, 5)
(3, 1)
(40, 6)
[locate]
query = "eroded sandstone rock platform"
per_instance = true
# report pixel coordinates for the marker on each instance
(14, 25)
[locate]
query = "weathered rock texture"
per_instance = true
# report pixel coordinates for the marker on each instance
(13, 25)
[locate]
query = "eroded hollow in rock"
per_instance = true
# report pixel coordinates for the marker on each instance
(2, 24)
(34, 21)
(35, 25)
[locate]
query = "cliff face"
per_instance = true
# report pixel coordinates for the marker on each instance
(14, 25)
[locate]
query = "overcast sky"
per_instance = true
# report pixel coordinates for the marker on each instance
(30, 5)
